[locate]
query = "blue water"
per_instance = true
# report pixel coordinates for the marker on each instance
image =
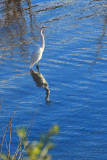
(73, 66)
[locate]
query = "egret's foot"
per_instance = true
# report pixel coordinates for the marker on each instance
(37, 68)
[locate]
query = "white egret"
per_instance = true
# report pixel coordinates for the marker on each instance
(37, 54)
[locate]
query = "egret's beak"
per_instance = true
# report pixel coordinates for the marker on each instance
(45, 27)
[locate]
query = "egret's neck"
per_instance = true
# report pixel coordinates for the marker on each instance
(42, 40)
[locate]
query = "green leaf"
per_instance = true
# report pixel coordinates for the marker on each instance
(21, 133)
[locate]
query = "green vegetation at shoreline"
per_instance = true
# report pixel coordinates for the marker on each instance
(32, 151)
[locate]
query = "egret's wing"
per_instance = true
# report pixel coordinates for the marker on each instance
(36, 56)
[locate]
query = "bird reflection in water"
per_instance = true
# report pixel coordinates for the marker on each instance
(41, 82)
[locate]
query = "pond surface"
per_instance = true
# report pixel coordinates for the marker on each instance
(71, 89)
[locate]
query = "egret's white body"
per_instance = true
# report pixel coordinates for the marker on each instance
(37, 54)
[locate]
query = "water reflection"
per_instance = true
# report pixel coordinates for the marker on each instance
(14, 26)
(41, 82)
(14, 11)
(103, 34)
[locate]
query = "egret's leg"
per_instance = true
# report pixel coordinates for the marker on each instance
(37, 66)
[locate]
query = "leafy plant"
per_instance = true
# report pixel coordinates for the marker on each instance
(35, 150)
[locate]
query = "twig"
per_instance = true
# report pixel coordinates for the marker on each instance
(6, 130)
(10, 138)
(4, 136)
(32, 119)
(29, 131)
(5, 139)
(16, 153)
(19, 145)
